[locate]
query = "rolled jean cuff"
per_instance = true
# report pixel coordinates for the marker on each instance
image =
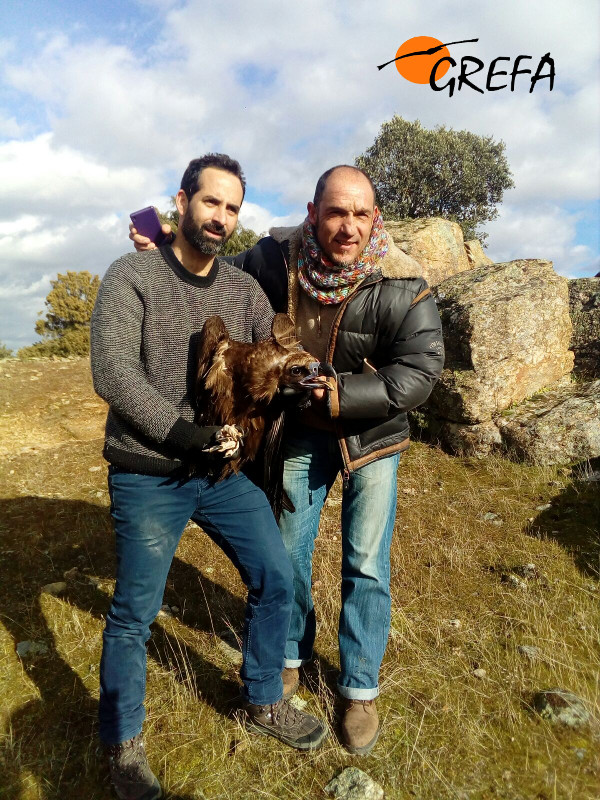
(295, 663)
(350, 693)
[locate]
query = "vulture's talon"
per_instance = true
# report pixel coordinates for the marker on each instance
(229, 441)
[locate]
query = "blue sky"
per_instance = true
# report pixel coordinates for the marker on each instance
(102, 104)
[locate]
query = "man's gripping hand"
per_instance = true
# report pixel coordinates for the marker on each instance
(143, 243)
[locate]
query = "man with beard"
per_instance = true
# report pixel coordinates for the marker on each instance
(361, 305)
(148, 313)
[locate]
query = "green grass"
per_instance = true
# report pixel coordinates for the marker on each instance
(446, 733)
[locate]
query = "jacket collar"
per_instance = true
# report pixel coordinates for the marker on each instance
(395, 264)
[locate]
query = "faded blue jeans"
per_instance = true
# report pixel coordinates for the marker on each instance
(149, 515)
(312, 463)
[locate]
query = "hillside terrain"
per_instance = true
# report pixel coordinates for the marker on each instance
(496, 596)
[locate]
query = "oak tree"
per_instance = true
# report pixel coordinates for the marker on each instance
(65, 327)
(442, 172)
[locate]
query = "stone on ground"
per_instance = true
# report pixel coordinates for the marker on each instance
(354, 784)
(477, 440)
(560, 706)
(54, 588)
(28, 649)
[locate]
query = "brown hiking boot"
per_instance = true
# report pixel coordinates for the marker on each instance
(291, 680)
(286, 723)
(130, 773)
(360, 726)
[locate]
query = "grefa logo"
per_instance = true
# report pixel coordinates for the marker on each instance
(424, 59)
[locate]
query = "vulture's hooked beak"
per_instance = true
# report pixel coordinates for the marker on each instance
(314, 380)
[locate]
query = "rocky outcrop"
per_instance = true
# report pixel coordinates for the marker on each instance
(555, 427)
(507, 332)
(437, 244)
(506, 386)
(470, 440)
(584, 307)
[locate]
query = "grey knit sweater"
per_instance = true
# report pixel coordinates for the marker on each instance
(145, 330)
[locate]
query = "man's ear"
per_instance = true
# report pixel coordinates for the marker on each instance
(283, 331)
(181, 202)
(312, 213)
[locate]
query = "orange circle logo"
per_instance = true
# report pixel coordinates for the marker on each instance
(414, 63)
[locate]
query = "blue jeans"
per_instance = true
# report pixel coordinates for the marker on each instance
(312, 462)
(149, 515)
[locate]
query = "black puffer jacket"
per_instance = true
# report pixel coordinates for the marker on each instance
(391, 321)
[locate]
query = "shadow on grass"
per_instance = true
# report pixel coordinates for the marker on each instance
(53, 737)
(573, 520)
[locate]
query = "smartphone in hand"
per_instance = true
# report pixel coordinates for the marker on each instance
(146, 222)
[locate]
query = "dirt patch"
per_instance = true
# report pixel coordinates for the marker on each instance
(44, 404)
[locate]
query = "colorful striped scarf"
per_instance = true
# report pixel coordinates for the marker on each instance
(327, 282)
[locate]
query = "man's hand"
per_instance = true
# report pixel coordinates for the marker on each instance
(142, 243)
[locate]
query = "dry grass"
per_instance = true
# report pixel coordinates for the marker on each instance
(446, 733)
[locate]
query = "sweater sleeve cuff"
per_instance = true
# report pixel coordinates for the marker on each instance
(184, 435)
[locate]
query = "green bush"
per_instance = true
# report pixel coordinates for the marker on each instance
(418, 172)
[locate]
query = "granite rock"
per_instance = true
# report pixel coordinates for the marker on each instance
(584, 308)
(507, 332)
(354, 784)
(559, 426)
(437, 244)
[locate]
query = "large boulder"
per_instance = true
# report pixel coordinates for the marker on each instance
(558, 426)
(507, 332)
(555, 427)
(437, 244)
(584, 307)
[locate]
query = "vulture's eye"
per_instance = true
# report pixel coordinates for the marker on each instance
(296, 371)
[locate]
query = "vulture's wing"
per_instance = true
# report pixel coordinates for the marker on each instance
(213, 333)
(267, 469)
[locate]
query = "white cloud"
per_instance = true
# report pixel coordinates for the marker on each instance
(260, 219)
(10, 128)
(17, 291)
(546, 232)
(39, 177)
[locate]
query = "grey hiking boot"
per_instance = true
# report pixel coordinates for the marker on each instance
(130, 774)
(286, 723)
